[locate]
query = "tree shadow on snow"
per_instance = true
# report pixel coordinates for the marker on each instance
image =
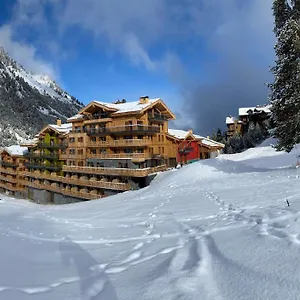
(94, 283)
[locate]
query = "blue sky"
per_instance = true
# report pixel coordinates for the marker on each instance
(204, 58)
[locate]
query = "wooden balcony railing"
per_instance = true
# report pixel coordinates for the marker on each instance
(8, 171)
(10, 187)
(120, 143)
(137, 156)
(72, 156)
(97, 120)
(127, 129)
(60, 190)
(157, 118)
(4, 163)
(97, 184)
(42, 175)
(115, 171)
(8, 179)
(52, 146)
(83, 195)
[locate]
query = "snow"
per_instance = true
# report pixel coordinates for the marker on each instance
(182, 134)
(63, 128)
(129, 106)
(215, 229)
(230, 120)
(16, 150)
(78, 116)
(243, 111)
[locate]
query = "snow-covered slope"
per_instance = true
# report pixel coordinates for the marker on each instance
(28, 102)
(216, 229)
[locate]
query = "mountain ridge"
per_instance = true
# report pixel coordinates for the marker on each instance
(29, 101)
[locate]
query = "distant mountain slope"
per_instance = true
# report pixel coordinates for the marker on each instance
(28, 102)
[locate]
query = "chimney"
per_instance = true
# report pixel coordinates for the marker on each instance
(58, 122)
(144, 99)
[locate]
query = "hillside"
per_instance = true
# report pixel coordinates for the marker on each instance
(29, 101)
(215, 229)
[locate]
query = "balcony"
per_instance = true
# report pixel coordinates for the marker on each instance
(83, 195)
(52, 146)
(157, 118)
(8, 170)
(134, 156)
(97, 120)
(30, 165)
(97, 184)
(122, 130)
(185, 150)
(48, 156)
(72, 156)
(8, 179)
(10, 187)
(42, 175)
(121, 143)
(8, 164)
(115, 171)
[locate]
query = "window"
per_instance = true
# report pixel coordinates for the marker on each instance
(140, 150)
(103, 139)
(93, 151)
(77, 129)
(80, 152)
(128, 151)
(159, 138)
(140, 137)
(163, 149)
(72, 151)
(128, 137)
(80, 140)
(93, 139)
(102, 151)
(159, 151)
(71, 140)
(162, 138)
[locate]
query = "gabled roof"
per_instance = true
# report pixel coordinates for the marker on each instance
(60, 129)
(182, 134)
(15, 150)
(244, 111)
(31, 142)
(121, 108)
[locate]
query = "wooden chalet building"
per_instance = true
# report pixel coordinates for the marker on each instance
(257, 115)
(11, 168)
(105, 149)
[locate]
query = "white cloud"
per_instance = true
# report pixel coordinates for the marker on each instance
(25, 54)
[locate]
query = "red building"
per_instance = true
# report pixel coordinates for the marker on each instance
(192, 147)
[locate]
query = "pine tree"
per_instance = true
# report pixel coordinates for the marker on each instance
(285, 91)
(282, 13)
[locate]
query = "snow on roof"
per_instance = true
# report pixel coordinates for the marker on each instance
(211, 143)
(128, 106)
(230, 120)
(16, 150)
(77, 116)
(63, 128)
(243, 111)
(182, 134)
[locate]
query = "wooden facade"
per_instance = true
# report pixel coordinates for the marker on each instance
(259, 115)
(105, 149)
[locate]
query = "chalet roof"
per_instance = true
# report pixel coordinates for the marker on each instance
(30, 142)
(75, 117)
(15, 150)
(244, 111)
(63, 128)
(182, 134)
(128, 106)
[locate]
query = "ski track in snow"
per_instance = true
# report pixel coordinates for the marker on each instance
(191, 262)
